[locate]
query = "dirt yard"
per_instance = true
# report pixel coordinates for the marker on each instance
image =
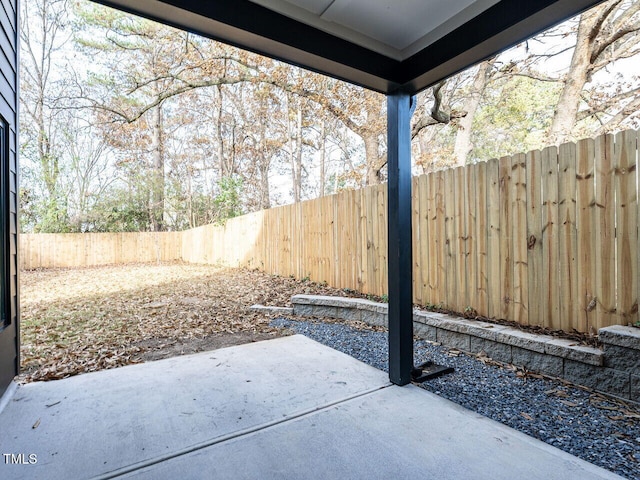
(83, 320)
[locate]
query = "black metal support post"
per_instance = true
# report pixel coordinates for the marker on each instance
(399, 230)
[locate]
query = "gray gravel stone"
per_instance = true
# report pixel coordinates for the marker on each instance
(556, 413)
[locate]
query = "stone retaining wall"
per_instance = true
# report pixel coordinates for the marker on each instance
(614, 369)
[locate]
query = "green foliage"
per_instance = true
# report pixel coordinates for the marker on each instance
(53, 217)
(228, 202)
(513, 118)
(384, 298)
(118, 212)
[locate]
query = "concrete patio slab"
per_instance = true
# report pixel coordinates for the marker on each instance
(394, 433)
(284, 408)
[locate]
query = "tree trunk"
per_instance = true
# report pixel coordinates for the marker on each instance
(372, 158)
(219, 139)
(263, 168)
(225, 162)
(157, 174)
(49, 161)
(265, 193)
(323, 157)
(463, 145)
(564, 117)
(297, 159)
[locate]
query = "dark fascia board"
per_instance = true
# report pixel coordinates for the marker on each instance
(503, 25)
(255, 28)
(252, 27)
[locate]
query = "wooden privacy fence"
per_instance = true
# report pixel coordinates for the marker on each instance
(545, 238)
(338, 239)
(47, 250)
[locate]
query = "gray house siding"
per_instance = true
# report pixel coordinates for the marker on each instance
(9, 335)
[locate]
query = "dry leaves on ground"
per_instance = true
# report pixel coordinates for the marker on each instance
(83, 320)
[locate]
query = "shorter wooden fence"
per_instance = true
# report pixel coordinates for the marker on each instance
(50, 250)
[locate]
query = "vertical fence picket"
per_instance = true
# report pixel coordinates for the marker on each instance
(471, 247)
(635, 320)
(534, 236)
(450, 243)
(550, 296)
(605, 232)
(382, 239)
(493, 240)
(481, 301)
(567, 232)
(434, 201)
(624, 166)
(506, 233)
(519, 240)
(370, 252)
(585, 225)
(460, 238)
(362, 246)
(416, 241)
(423, 223)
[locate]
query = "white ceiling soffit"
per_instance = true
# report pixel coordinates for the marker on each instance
(395, 28)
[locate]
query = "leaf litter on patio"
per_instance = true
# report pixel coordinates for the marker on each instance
(84, 320)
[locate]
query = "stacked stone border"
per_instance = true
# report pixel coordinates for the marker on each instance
(613, 370)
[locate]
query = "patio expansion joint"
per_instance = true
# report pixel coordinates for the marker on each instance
(231, 436)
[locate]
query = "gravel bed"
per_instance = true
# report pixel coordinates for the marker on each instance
(595, 428)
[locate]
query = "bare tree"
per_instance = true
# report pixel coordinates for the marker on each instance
(463, 143)
(42, 35)
(605, 34)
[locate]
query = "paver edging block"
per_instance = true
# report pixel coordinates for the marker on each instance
(609, 371)
(621, 347)
(621, 336)
(271, 310)
(635, 387)
(314, 305)
(495, 350)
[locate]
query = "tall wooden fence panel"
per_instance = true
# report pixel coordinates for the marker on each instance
(338, 239)
(548, 238)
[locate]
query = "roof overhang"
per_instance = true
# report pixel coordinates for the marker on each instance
(366, 42)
